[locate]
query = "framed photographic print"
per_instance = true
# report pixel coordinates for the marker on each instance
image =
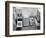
(24, 18)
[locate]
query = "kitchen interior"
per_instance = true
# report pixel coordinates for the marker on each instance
(29, 18)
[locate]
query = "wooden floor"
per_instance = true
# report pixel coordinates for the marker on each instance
(33, 27)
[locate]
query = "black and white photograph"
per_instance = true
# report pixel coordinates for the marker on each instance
(24, 18)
